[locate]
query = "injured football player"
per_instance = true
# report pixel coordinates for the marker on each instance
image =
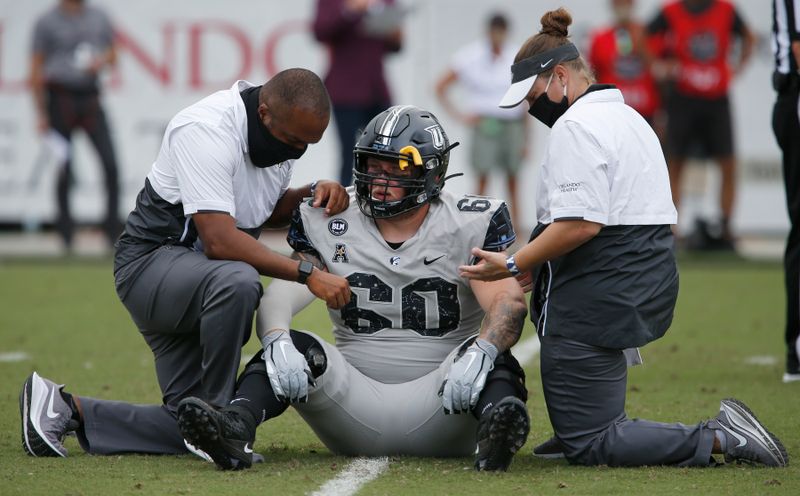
(421, 363)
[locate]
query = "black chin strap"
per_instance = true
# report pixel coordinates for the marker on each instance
(446, 150)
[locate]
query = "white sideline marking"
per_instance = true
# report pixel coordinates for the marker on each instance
(525, 351)
(761, 360)
(357, 473)
(14, 356)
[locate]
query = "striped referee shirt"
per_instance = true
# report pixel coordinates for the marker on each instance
(785, 30)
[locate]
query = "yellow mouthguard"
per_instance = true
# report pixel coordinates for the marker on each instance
(410, 150)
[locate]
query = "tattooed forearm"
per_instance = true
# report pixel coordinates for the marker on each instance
(502, 325)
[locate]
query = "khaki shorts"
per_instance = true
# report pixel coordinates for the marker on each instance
(497, 145)
(355, 415)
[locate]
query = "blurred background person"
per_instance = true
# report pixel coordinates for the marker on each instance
(619, 55)
(785, 125)
(72, 44)
(499, 136)
(694, 40)
(358, 34)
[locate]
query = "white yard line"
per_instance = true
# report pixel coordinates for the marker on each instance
(364, 470)
(765, 360)
(357, 473)
(14, 356)
(525, 351)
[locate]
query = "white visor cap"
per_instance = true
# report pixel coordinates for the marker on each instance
(525, 72)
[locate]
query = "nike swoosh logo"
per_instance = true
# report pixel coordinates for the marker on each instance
(428, 262)
(546, 63)
(742, 440)
(247, 448)
(50, 412)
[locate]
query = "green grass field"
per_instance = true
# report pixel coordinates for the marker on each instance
(65, 315)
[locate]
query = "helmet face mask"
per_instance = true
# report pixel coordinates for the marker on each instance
(388, 187)
(413, 152)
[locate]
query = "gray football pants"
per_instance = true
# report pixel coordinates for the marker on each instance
(353, 414)
(195, 314)
(584, 388)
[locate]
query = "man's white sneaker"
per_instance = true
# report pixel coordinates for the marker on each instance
(787, 377)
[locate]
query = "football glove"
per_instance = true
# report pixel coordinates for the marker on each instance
(467, 376)
(287, 369)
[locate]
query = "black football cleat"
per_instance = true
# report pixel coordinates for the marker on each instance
(501, 433)
(219, 433)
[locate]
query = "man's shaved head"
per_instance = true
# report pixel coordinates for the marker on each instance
(296, 89)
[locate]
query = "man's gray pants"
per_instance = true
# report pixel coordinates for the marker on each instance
(584, 388)
(195, 314)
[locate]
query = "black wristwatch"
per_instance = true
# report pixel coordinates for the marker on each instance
(304, 270)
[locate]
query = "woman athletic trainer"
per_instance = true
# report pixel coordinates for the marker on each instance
(602, 266)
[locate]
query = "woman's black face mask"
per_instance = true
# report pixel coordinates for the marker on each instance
(546, 110)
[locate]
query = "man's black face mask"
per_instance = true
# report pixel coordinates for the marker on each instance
(274, 151)
(265, 149)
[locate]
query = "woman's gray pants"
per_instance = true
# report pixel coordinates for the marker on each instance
(584, 388)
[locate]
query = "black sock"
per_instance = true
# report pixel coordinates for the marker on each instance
(493, 392)
(246, 416)
(254, 394)
(76, 416)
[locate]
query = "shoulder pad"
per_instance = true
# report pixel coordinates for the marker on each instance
(500, 233)
(297, 237)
